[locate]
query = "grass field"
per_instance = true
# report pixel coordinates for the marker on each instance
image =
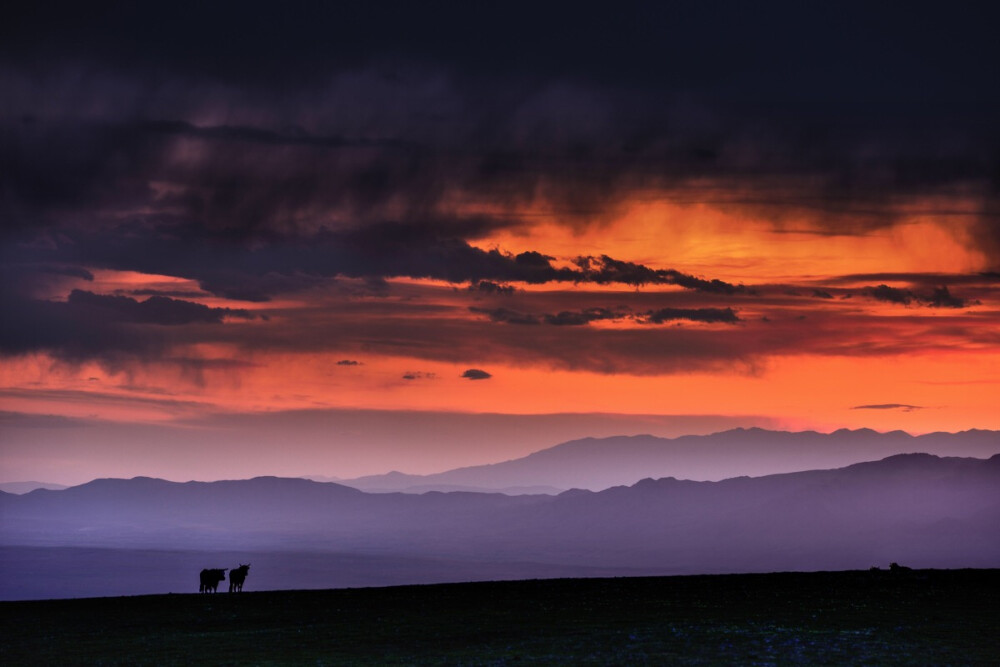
(921, 617)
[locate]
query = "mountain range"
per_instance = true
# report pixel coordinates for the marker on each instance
(600, 463)
(924, 510)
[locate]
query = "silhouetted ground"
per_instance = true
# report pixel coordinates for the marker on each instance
(921, 617)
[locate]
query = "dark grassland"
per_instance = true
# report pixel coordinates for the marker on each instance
(919, 617)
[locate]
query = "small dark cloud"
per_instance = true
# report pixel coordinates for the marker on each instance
(582, 317)
(889, 406)
(348, 362)
(506, 315)
(534, 259)
(604, 270)
(940, 297)
(476, 374)
(418, 375)
(713, 286)
(490, 287)
(822, 294)
(890, 294)
(727, 315)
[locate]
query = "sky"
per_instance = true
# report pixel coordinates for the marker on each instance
(345, 238)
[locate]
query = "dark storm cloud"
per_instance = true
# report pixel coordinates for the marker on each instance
(256, 270)
(476, 374)
(348, 362)
(820, 61)
(69, 331)
(252, 132)
(262, 157)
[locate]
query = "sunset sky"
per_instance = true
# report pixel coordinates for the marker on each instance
(241, 240)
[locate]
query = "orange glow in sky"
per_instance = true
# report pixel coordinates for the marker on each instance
(732, 246)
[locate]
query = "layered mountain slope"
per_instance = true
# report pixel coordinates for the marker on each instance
(918, 508)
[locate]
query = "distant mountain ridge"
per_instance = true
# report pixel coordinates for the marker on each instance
(600, 463)
(920, 509)
(25, 487)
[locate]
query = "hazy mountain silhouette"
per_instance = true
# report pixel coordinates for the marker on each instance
(600, 463)
(25, 487)
(918, 509)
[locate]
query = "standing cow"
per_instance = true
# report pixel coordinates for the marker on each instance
(210, 580)
(237, 576)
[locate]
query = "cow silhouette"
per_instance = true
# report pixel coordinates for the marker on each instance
(210, 579)
(237, 576)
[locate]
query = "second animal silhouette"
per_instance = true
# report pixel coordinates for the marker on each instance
(237, 576)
